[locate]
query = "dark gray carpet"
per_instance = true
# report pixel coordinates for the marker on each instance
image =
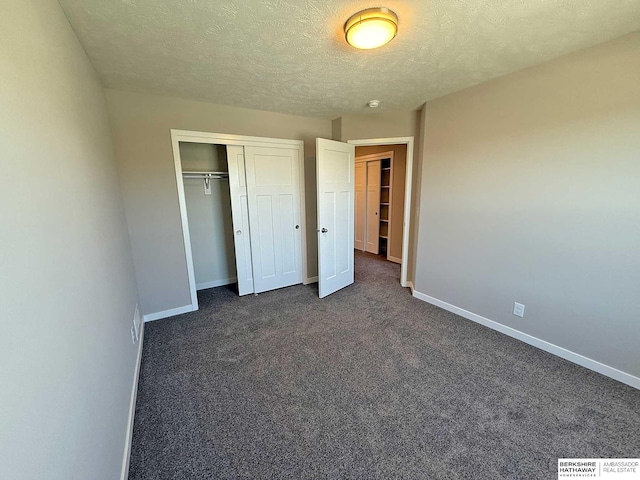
(367, 383)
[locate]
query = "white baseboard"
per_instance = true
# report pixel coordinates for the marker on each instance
(216, 283)
(310, 280)
(581, 360)
(124, 475)
(394, 259)
(149, 317)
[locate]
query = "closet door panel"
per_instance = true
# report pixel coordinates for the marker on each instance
(344, 253)
(373, 206)
(360, 201)
(273, 188)
(240, 218)
(287, 217)
(265, 231)
(330, 268)
(272, 170)
(337, 213)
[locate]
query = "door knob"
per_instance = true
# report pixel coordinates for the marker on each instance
(324, 230)
(297, 227)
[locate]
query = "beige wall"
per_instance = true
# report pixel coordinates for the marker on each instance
(67, 290)
(141, 127)
(397, 200)
(531, 193)
(416, 193)
(336, 129)
(382, 124)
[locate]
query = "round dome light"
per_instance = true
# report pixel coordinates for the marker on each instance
(371, 28)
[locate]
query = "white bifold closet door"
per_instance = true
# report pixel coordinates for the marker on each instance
(273, 193)
(335, 163)
(240, 218)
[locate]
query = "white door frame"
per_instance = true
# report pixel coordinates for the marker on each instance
(178, 136)
(406, 228)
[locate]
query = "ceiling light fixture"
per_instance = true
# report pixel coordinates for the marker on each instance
(371, 28)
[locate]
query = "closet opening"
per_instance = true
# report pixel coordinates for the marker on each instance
(205, 176)
(382, 200)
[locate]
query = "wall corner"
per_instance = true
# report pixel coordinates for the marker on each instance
(336, 129)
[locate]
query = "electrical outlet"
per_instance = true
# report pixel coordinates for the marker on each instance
(518, 309)
(133, 335)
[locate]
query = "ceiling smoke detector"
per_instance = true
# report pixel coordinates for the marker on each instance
(373, 103)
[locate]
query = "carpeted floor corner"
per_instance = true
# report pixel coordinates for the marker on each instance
(367, 383)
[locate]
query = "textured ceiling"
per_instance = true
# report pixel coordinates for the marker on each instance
(289, 56)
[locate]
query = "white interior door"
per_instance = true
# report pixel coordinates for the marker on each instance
(335, 162)
(273, 187)
(240, 218)
(373, 206)
(360, 202)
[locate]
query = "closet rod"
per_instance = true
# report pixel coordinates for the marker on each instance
(205, 174)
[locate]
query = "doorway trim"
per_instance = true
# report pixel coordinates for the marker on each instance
(406, 226)
(188, 136)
